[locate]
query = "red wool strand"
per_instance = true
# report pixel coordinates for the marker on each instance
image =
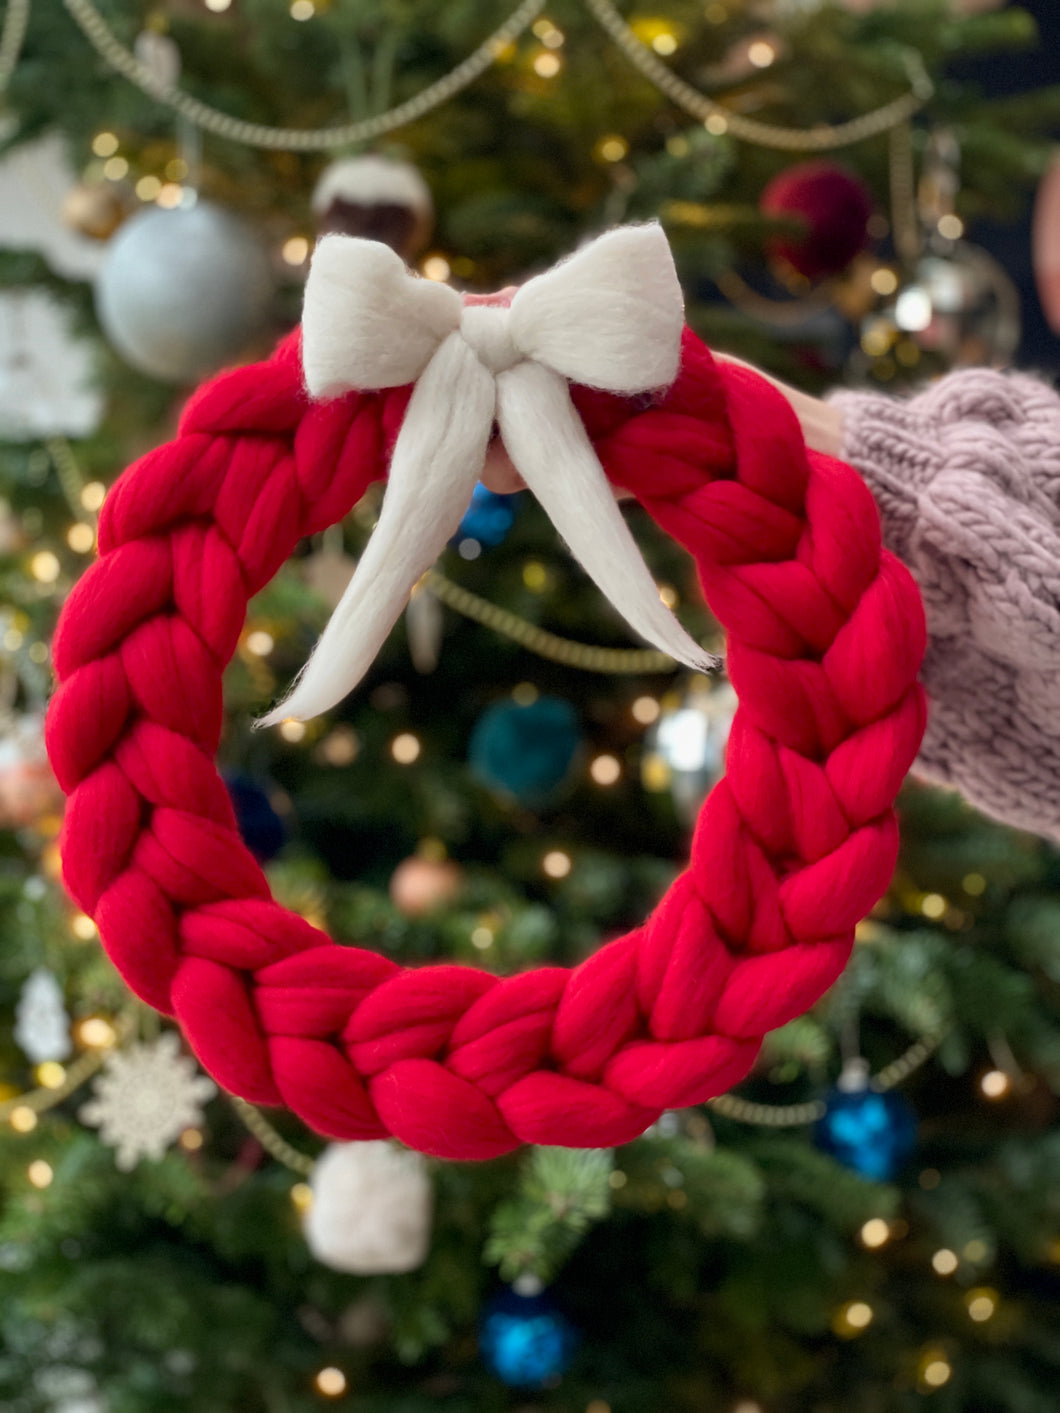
(825, 636)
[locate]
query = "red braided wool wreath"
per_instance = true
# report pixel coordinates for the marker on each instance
(825, 636)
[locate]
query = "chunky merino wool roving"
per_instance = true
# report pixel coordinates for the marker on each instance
(825, 633)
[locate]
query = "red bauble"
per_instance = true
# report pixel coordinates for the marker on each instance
(835, 205)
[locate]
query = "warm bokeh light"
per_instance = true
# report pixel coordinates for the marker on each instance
(981, 1303)
(302, 1196)
(605, 770)
(556, 863)
(96, 1033)
(105, 144)
(405, 748)
(524, 694)
(50, 1074)
(945, 1261)
(436, 267)
(295, 250)
(22, 1119)
(260, 643)
(995, 1084)
(40, 1173)
(875, 1233)
(611, 148)
(330, 1381)
(292, 730)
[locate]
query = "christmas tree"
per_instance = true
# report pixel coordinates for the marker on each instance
(870, 1220)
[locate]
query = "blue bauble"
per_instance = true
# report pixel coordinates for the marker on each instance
(870, 1132)
(525, 1340)
(262, 829)
(525, 752)
(488, 518)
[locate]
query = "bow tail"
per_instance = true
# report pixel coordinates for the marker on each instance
(550, 447)
(436, 461)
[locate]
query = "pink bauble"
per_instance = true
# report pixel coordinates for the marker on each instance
(1045, 244)
(420, 885)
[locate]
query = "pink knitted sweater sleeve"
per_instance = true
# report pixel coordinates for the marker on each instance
(967, 478)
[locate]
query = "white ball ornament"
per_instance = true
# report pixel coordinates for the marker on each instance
(183, 291)
(371, 1209)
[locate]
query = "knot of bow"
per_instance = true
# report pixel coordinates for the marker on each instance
(609, 317)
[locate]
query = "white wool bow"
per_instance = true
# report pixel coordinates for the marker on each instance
(609, 317)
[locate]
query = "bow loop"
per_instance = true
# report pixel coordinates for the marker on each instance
(610, 316)
(366, 322)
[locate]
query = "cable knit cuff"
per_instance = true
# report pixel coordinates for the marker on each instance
(966, 475)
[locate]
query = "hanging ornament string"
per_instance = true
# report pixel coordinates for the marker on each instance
(16, 17)
(270, 1140)
(630, 661)
(123, 61)
(826, 137)
(743, 1111)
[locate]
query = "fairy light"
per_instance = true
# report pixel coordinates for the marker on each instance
(176, 169)
(83, 928)
(40, 1173)
(340, 746)
(295, 249)
(524, 694)
(12, 640)
(81, 537)
(717, 124)
(547, 65)
(884, 280)
(93, 494)
(330, 1381)
(976, 1250)
(535, 576)
(933, 905)
(981, 1303)
(665, 43)
(105, 144)
(747, 1405)
(50, 1074)
(22, 1119)
(218, 6)
(437, 268)
(945, 1261)
(115, 169)
(875, 1233)
(605, 770)
(45, 567)
(482, 937)
(191, 1140)
(611, 148)
(597, 1405)
(935, 1370)
(645, 710)
(302, 10)
(929, 1178)
(96, 1033)
(853, 1318)
(405, 748)
(761, 53)
(617, 1179)
(38, 652)
(147, 188)
(170, 197)
(556, 864)
(950, 227)
(301, 1197)
(669, 595)
(974, 884)
(995, 1084)
(260, 643)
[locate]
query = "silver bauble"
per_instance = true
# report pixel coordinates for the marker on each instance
(183, 291)
(684, 751)
(958, 308)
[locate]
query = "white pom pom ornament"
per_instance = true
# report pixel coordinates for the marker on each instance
(371, 1209)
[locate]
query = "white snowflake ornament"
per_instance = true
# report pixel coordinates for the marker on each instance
(144, 1099)
(42, 1027)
